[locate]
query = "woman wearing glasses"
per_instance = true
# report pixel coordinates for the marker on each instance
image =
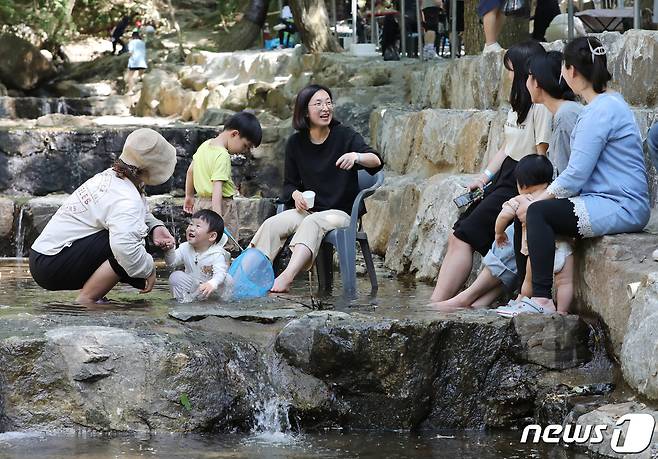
(323, 156)
(603, 189)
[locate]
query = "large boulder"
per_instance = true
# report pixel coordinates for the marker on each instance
(122, 379)
(22, 66)
(431, 141)
(410, 221)
(609, 415)
(622, 259)
(453, 370)
(639, 353)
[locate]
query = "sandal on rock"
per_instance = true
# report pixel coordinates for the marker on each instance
(512, 305)
(525, 305)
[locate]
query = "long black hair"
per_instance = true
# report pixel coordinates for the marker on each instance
(545, 69)
(300, 112)
(588, 55)
(516, 60)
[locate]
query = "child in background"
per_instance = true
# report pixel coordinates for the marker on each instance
(204, 259)
(533, 175)
(137, 61)
(209, 174)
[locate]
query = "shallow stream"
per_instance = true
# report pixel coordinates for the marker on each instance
(274, 436)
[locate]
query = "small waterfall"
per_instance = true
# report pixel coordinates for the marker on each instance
(62, 107)
(272, 423)
(20, 234)
(45, 106)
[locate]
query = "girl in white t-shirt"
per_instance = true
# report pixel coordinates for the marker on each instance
(527, 131)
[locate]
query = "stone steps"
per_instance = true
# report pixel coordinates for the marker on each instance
(425, 142)
(34, 107)
(481, 82)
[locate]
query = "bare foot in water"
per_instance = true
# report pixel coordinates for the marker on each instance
(281, 284)
(450, 305)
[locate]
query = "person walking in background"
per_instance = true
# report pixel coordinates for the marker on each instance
(137, 61)
(430, 13)
(117, 33)
(545, 11)
(492, 22)
(286, 25)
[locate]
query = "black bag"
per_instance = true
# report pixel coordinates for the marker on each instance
(391, 54)
(518, 8)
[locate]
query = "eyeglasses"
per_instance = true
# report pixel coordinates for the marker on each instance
(318, 105)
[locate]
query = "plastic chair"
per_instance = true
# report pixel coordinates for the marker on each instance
(344, 241)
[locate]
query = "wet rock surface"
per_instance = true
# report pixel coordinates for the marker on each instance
(117, 370)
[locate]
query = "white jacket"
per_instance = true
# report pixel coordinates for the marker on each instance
(209, 266)
(104, 202)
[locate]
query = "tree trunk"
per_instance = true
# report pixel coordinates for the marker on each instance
(514, 31)
(179, 32)
(245, 32)
(312, 22)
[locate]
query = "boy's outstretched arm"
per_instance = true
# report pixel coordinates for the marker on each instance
(188, 204)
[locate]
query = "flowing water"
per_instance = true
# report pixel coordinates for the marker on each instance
(326, 445)
(274, 434)
(20, 233)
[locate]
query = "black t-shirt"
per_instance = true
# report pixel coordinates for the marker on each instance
(313, 167)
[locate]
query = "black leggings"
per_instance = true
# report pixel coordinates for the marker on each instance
(521, 260)
(545, 220)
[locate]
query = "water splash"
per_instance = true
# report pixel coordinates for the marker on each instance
(272, 421)
(19, 240)
(62, 106)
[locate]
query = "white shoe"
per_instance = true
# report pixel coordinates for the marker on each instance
(655, 255)
(492, 48)
(429, 53)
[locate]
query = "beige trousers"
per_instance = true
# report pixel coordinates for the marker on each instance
(309, 230)
(229, 213)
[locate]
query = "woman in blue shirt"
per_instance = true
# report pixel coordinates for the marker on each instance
(603, 189)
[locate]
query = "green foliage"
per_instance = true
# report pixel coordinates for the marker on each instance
(51, 17)
(185, 401)
(229, 7)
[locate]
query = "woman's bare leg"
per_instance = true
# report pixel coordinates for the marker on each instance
(455, 269)
(301, 258)
(484, 286)
(97, 286)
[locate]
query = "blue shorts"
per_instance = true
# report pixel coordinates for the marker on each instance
(502, 262)
(487, 5)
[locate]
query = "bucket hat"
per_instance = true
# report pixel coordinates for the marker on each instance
(151, 153)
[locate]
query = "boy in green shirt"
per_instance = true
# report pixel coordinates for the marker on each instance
(209, 174)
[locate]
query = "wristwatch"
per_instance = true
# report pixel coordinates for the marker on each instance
(358, 158)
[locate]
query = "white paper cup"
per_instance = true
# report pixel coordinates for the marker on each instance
(309, 197)
(632, 289)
